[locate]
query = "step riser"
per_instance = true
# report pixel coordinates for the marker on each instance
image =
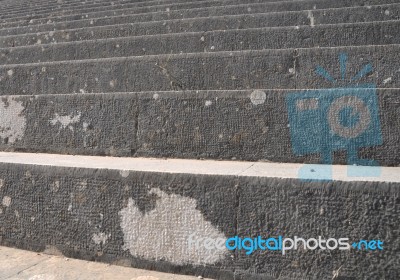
(131, 7)
(281, 69)
(232, 40)
(211, 125)
(65, 9)
(133, 26)
(215, 11)
(95, 214)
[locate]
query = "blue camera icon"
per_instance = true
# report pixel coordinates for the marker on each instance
(326, 120)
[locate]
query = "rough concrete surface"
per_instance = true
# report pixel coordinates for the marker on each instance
(147, 24)
(384, 33)
(187, 124)
(115, 215)
(24, 265)
(191, 12)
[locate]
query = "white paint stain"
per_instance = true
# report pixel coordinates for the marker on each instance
(258, 97)
(387, 12)
(65, 121)
(124, 173)
(388, 80)
(163, 232)
(100, 238)
(310, 16)
(6, 201)
(10, 72)
(12, 121)
(208, 103)
(155, 96)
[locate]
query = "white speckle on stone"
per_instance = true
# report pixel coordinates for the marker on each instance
(156, 96)
(220, 136)
(297, 27)
(124, 173)
(167, 9)
(12, 121)
(249, 9)
(6, 201)
(168, 227)
(212, 47)
(70, 207)
(208, 103)
(387, 12)
(51, 33)
(288, 125)
(65, 121)
(16, 213)
(10, 72)
(43, 69)
(258, 97)
(112, 83)
(292, 70)
(369, 7)
(39, 42)
(91, 22)
(82, 90)
(202, 38)
(32, 219)
(117, 46)
(310, 16)
(100, 238)
(388, 80)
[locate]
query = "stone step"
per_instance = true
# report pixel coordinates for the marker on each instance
(226, 70)
(158, 214)
(158, 23)
(45, 14)
(204, 11)
(71, 7)
(375, 33)
(247, 125)
(55, 7)
(206, 25)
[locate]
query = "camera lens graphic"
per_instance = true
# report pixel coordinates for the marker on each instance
(357, 107)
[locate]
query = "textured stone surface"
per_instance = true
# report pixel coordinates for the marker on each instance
(384, 33)
(215, 124)
(91, 213)
(281, 69)
(189, 11)
(145, 24)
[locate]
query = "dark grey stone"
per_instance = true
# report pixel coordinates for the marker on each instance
(212, 125)
(147, 24)
(377, 33)
(281, 69)
(190, 11)
(64, 207)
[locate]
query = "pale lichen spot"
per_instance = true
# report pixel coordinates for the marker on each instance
(65, 121)
(258, 97)
(6, 201)
(10, 72)
(100, 238)
(124, 173)
(12, 121)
